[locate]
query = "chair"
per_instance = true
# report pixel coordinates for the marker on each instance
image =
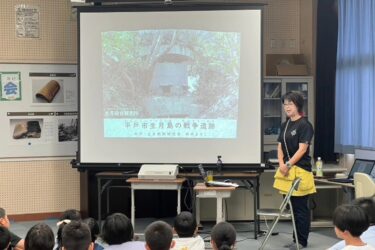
(364, 185)
(281, 212)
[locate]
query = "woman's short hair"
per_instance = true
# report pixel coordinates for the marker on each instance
(223, 235)
(117, 229)
(39, 237)
(296, 98)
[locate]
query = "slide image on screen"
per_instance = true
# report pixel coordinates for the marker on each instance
(170, 83)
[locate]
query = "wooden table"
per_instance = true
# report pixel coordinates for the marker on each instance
(219, 193)
(322, 183)
(327, 181)
(153, 184)
(250, 180)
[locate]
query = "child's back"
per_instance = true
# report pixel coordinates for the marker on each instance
(190, 243)
(185, 226)
(366, 247)
(350, 222)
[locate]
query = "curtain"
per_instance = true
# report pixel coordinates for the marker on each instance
(326, 47)
(355, 76)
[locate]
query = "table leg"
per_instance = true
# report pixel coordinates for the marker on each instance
(224, 210)
(197, 210)
(179, 200)
(256, 207)
(99, 202)
(219, 209)
(133, 208)
(107, 196)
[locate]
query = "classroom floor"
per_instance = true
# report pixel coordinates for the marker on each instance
(320, 238)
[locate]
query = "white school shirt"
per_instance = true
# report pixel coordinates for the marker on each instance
(130, 245)
(191, 243)
(365, 247)
(367, 237)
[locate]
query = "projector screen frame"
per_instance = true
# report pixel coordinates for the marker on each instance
(160, 6)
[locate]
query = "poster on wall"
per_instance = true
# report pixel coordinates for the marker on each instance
(10, 86)
(27, 21)
(43, 123)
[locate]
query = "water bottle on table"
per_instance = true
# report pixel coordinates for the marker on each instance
(319, 167)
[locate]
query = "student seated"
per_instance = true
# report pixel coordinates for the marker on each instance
(16, 243)
(76, 236)
(159, 236)
(4, 238)
(39, 237)
(118, 233)
(223, 236)
(66, 217)
(71, 214)
(368, 236)
(94, 229)
(61, 225)
(350, 222)
(186, 228)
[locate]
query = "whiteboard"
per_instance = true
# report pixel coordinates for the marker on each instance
(38, 110)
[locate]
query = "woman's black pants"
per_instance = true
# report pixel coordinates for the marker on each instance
(301, 213)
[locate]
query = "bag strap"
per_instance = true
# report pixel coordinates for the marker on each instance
(286, 146)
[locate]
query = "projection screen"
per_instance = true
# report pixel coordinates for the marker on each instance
(175, 86)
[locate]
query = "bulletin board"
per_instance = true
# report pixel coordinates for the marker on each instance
(38, 31)
(38, 110)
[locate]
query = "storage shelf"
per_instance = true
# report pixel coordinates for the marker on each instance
(273, 113)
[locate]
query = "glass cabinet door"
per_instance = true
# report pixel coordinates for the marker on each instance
(271, 108)
(273, 112)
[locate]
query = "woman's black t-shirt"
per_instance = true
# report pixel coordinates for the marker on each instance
(299, 131)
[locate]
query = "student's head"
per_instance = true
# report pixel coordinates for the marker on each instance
(71, 214)
(61, 225)
(117, 229)
(159, 236)
(368, 205)
(293, 98)
(4, 221)
(4, 238)
(223, 236)
(350, 220)
(39, 237)
(66, 217)
(185, 225)
(94, 227)
(76, 236)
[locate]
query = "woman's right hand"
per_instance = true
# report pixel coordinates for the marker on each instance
(284, 170)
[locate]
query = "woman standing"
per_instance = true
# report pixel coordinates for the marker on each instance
(293, 152)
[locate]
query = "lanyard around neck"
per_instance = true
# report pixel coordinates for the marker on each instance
(286, 146)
